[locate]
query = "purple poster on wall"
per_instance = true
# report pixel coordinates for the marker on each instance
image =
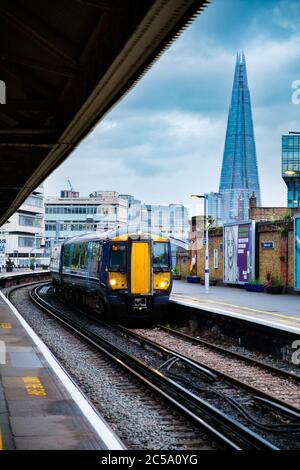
(239, 252)
(244, 252)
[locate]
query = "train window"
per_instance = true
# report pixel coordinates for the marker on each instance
(66, 258)
(75, 254)
(161, 256)
(118, 257)
(96, 251)
(83, 256)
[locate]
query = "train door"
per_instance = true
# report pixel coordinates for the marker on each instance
(140, 261)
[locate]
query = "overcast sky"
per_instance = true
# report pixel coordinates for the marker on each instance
(165, 139)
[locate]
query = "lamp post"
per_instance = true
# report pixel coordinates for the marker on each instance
(206, 269)
(36, 236)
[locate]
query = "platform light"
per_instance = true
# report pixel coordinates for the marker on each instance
(290, 172)
(206, 271)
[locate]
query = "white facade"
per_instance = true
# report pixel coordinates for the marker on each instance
(215, 207)
(171, 220)
(72, 215)
(133, 209)
(23, 234)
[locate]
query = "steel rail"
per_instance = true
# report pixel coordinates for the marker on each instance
(223, 350)
(266, 396)
(233, 434)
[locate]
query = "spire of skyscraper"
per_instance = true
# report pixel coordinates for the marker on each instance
(239, 176)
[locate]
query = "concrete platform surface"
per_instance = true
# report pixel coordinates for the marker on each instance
(20, 271)
(40, 407)
(279, 311)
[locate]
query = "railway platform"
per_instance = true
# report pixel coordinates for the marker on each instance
(19, 272)
(40, 406)
(277, 311)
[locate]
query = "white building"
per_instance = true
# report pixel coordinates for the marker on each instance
(22, 236)
(133, 209)
(71, 215)
(171, 220)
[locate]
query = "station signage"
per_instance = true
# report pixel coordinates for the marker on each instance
(297, 253)
(267, 245)
(239, 252)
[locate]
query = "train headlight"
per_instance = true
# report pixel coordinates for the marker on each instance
(164, 284)
(117, 280)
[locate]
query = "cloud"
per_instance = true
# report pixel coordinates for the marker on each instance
(166, 138)
(287, 15)
(173, 146)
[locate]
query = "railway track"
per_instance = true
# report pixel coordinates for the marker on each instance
(236, 415)
(227, 353)
(141, 418)
(277, 383)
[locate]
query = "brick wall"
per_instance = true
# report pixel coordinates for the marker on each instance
(183, 262)
(291, 257)
(269, 213)
(279, 261)
(215, 242)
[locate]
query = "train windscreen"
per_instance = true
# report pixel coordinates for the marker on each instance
(161, 256)
(118, 257)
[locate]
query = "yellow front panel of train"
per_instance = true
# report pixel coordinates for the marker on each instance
(140, 268)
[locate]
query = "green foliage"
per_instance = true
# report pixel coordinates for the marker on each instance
(255, 281)
(176, 270)
(287, 216)
(276, 281)
(273, 280)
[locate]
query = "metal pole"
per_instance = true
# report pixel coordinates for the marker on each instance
(57, 229)
(206, 246)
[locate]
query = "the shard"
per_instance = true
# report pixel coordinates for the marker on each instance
(239, 176)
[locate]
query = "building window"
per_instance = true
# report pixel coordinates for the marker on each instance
(29, 242)
(29, 221)
(34, 201)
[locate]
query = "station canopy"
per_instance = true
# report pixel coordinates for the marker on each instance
(63, 65)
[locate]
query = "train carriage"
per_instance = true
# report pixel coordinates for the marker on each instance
(123, 273)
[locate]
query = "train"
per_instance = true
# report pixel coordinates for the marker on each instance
(119, 274)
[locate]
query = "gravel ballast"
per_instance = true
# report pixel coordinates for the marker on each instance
(139, 418)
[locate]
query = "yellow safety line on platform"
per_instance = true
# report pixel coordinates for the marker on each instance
(239, 307)
(34, 386)
(1, 440)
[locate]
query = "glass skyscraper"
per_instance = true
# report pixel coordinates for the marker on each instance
(291, 167)
(239, 176)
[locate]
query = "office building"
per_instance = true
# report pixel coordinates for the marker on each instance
(291, 167)
(22, 236)
(133, 209)
(70, 215)
(170, 220)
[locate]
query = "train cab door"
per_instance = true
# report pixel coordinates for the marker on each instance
(140, 267)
